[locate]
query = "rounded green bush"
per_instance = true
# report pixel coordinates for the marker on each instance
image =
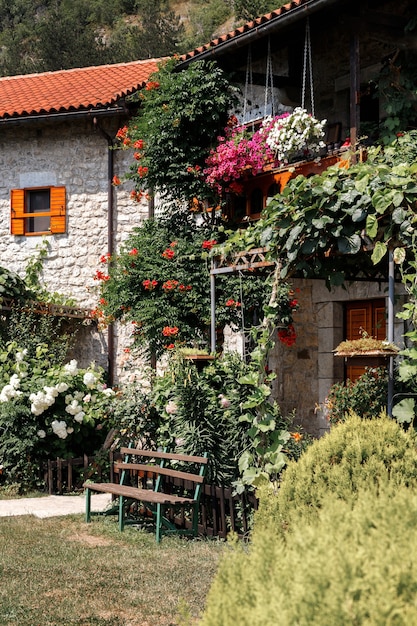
(353, 564)
(354, 454)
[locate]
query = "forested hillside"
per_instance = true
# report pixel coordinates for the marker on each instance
(43, 35)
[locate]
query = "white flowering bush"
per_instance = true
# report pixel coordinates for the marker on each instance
(293, 134)
(48, 409)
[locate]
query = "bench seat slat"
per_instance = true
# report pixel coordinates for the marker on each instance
(157, 454)
(163, 471)
(144, 495)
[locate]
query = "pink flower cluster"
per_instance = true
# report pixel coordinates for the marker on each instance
(236, 153)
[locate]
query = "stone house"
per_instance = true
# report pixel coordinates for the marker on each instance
(330, 57)
(57, 130)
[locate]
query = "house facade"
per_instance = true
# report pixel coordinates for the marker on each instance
(337, 59)
(57, 163)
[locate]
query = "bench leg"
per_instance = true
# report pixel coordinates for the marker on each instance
(158, 522)
(121, 514)
(88, 505)
(195, 520)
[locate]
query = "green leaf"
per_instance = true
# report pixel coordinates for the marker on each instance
(379, 252)
(371, 226)
(404, 411)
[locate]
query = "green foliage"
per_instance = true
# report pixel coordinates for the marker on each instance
(12, 286)
(353, 564)
(155, 33)
(47, 409)
(355, 454)
(397, 84)
(181, 114)
(195, 410)
(250, 9)
(160, 283)
(204, 19)
(366, 397)
(327, 224)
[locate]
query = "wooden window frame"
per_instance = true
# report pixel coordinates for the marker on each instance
(19, 214)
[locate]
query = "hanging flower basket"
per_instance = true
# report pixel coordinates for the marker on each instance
(280, 140)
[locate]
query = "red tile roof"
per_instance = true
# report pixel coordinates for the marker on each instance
(71, 90)
(253, 26)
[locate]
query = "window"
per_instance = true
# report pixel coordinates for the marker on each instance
(38, 211)
(367, 316)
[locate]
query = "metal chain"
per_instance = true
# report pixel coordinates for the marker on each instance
(248, 83)
(269, 84)
(308, 60)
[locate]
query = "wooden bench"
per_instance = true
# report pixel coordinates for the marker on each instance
(158, 465)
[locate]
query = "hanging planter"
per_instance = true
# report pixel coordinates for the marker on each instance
(366, 347)
(280, 140)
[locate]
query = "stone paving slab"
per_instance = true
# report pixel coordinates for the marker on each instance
(52, 506)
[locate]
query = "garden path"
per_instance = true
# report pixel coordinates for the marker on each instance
(52, 506)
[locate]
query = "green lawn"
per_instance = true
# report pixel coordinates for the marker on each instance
(63, 572)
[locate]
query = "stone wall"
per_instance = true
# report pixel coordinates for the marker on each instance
(306, 371)
(74, 155)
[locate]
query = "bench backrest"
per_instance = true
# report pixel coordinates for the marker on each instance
(159, 468)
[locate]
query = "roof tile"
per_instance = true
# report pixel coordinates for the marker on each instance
(72, 90)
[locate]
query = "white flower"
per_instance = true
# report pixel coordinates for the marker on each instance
(89, 380)
(21, 355)
(73, 408)
(60, 429)
(79, 417)
(87, 397)
(41, 434)
(61, 387)
(70, 430)
(108, 391)
(71, 367)
(171, 408)
(224, 402)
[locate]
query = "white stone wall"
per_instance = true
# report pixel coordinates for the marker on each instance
(75, 155)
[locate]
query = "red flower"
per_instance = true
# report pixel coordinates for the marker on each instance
(231, 303)
(136, 195)
(208, 244)
(150, 284)
(133, 252)
(170, 331)
(173, 244)
(287, 335)
(168, 254)
(116, 181)
(151, 85)
(105, 257)
(142, 171)
(101, 276)
(122, 132)
(185, 287)
(138, 144)
(169, 285)
(103, 301)
(170, 346)
(293, 304)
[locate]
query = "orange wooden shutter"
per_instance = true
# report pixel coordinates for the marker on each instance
(17, 206)
(58, 210)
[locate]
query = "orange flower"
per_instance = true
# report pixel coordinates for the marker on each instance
(170, 331)
(297, 437)
(116, 181)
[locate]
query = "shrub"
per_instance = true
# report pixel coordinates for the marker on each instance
(355, 454)
(367, 396)
(354, 564)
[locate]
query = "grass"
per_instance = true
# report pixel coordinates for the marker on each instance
(64, 572)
